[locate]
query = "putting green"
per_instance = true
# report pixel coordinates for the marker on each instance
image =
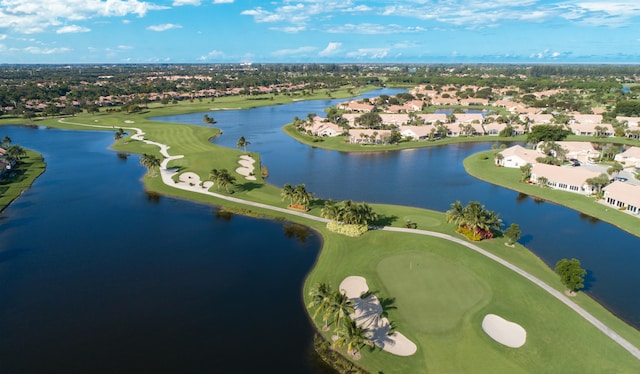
(433, 294)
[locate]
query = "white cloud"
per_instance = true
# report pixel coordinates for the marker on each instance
(33, 16)
(372, 53)
(72, 29)
(296, 51)
(211, 55)
(372, 29)
(163, 27)
(331, 49)
(3, 36)
(45, 51)
(186, 2)
(223, 1)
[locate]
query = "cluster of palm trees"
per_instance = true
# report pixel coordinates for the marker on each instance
(336, 308)
(348, 212)
(12, 152)
(151, 162)
(298, 195)
(222, 178)
(474, 218)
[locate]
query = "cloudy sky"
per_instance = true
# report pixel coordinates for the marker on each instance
(421, 31)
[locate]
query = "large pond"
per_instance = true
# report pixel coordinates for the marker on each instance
(98, 276)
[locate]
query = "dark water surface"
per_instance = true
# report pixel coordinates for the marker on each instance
(97, 276)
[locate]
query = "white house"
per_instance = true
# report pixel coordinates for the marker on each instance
(517, 156)
(416, 132)
(566, 178)
(623, 196)
(630, 157)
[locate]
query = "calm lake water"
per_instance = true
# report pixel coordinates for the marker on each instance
(97, 276)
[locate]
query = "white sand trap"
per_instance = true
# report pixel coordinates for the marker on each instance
(192, 179)
(504, 332)
(246, 167)
(129, 121)
(367, 314)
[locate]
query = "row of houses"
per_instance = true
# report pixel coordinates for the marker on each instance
(621, 195)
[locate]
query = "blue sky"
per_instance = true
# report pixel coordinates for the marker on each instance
(409, 31)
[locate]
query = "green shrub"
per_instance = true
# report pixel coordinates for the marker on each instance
(348, 230)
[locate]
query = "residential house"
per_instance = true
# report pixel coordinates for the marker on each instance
(517, 156)
(367, 136)
(623, 196)
(395, 119)
(630, 157)
(581, 151)
(416, 132)
(432, 118)
(566, 178)
(321, 127)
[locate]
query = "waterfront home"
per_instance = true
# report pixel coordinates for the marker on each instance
(536, 119)
(581, 151)
(367, 136)
(322, 127)
(623, 196)
(564, 178)
(356, 106)
(517, 156)
(474, 101)
(630, 157)
(494, 128)
(417, 132)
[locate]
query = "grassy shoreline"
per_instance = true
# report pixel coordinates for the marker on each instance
(481, 165)
(31, 166)
(380, 255)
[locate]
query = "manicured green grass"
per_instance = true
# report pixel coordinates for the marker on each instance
(481, 166)
(440, 300)
(442, 291)
(30, 167)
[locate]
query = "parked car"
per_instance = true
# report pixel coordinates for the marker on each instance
(622, 179)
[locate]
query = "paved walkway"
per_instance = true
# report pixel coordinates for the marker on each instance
(167, 178)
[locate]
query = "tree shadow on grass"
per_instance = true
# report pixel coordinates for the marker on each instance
(248, 186)
(385, 220)
(316, 203)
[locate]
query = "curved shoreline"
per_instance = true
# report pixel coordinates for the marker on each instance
(167, 178)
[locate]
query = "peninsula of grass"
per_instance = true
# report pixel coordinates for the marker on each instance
(440, 289)
(21, 177)
(481, 165)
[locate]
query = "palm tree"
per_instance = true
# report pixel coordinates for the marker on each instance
(353, 336)
(15, 152)
(365, 214)
(6, 141)
(222, 178)
(542, 181)
(151, 162)
(287, 193)
(456, 213)
(321, 298)
(300, 195)
(341, 306)
(330, 210)
(242, 143)
(118, 134)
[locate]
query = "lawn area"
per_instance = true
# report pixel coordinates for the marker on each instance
(441, 292)
(481, 166)
(22, 177)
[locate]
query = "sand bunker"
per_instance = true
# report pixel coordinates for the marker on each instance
(129, 121)
(504, 332)
(193, 180)
(246, 167)
(367, 314)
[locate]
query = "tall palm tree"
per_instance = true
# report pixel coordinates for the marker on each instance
(341, 307)
(151, 162)
(300, 195)
(353, 336)
(6, 141)
(242, 143)
(222, 178)
(287, 193)
(330, 210)
(456, 213)
(321, 298)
